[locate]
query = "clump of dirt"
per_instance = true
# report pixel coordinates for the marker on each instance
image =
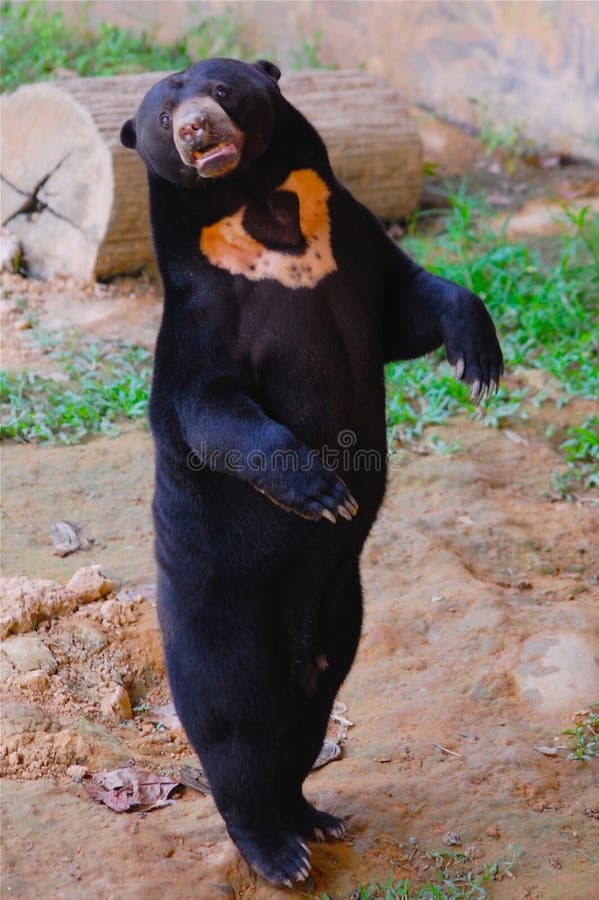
(28, 601)
(69, 686)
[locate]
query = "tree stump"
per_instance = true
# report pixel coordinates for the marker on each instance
(77, 201)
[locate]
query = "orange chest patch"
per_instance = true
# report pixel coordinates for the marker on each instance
(227, 244)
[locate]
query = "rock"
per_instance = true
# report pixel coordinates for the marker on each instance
(543, 217)
(558, 671)
(89, 636)
(34, 680)
(77, 772)
(68, 747)
(89, 584)
(22, 718)
(116, 612)
(26, 652)
(446, 146)
(27, 601)
(116, 704)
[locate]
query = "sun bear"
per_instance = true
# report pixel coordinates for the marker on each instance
(283, 298)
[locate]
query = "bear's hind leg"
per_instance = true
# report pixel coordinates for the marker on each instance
(300, 747)
(302, 739)
(231, 698)
(240, 771)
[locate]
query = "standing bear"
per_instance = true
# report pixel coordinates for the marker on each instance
(283, 298)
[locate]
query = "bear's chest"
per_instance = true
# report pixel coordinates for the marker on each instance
(287, 239)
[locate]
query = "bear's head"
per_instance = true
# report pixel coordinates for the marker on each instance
(213, 119)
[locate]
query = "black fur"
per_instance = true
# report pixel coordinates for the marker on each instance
(259, 595)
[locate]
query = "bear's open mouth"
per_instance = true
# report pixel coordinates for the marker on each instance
(214, 150)
(215, 159)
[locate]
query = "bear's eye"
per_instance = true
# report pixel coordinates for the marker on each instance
(165, 120)
(221, 92)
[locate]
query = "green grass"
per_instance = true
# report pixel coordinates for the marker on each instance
(307, 54)
(37, 42)
(101, 383)
(585, 735)
(454, 879)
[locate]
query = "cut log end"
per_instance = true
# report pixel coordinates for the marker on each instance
(57, 181)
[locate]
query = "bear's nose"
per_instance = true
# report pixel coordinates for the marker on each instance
(192, 125)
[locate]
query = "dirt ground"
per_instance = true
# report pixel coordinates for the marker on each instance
(480, 644)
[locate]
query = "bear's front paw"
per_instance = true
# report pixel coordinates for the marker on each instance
(314, 494)
(472, 346)
(327, 497)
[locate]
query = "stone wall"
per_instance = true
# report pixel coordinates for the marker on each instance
(527, 64)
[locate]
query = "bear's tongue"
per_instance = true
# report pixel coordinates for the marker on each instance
(214, 157)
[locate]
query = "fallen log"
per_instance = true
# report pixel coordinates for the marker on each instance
(77, 201)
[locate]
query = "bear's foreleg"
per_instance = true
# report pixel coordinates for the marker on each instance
(228, 432)
(423, 311)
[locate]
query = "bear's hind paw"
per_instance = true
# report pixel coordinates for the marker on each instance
(280, 858)
(315, 825)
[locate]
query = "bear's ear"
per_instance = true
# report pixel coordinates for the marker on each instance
(128, 136)
(268, 68)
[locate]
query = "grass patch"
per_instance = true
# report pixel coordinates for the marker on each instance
(581, 449)
(585, 735)
(308, 54)
(543, 298)
(99, 384)
(454, 879)
(37, 42)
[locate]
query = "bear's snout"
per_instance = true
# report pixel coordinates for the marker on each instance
(192, 126)
(206, 138)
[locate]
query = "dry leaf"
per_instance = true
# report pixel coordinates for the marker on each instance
(546, 751)
(452, 839)
(127, 787)
(514, 437)
(68, 537)
(338, 714)
(328, 752)
(193, 777)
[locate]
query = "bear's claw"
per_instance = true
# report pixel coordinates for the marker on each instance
(315, 824)
(280, 858)
(330, 500)
(482, 386)
(347, 510)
